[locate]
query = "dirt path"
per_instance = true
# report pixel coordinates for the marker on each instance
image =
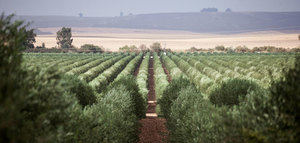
(153, 129)
(166, 71)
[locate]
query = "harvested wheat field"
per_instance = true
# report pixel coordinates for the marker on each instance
(113, 38)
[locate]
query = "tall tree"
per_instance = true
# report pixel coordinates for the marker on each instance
(64, 38)
(30, 39)
(156, 47)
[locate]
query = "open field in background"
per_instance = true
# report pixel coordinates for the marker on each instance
(113, 38)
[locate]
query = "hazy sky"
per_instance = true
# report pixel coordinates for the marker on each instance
(114, 7)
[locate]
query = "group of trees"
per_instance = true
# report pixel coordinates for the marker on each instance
(244, 49)
(64, 38)
(44, 105)
(155, 47)
(209, 10)
(237, 110)
(127, 48)
(214, 10)
(91, 48)
(64, 43)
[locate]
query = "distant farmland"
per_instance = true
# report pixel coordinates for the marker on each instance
(114, 38)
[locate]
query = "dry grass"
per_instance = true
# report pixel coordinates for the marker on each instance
(113, 38)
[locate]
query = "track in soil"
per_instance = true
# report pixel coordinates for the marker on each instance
(166, 71)
(153, 129)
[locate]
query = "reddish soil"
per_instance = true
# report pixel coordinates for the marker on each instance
(166, 71)
(151, 83)
(153, 129)
(151, 108)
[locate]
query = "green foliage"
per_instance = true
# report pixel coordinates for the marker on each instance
(127, 48)
(229, 50)
(161, 79)
(12, 38)
(41, 47)
(232, 91)
(131, 86)
(285, 94)
(220, 48)
(156, 47)
(40, 105)
(36, 108)
(200, 80)
(143, 48)
(174, 71)
(193, 49)
(261, 116)
(171, 93)
(193, 119)
(130, 67)
(91, 48)
(82, 69)
(64, 38)
(250, 121)
(82, 90)
(29, 43)
(142, 77)
(95, 71)
(241, 49)
(270, 49)
(272, 116)
(112, 119)
(103, 79)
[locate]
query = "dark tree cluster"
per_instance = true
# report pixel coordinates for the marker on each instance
(209, 10)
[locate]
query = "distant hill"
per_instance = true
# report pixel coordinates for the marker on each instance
(202, 22)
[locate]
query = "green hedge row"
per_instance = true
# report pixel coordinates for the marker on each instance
(131, 66)
(160, 79)
(174, 71)
(103, 79)
(201, 80)
(94, 72)
(82, 69)
(238, 111)
(130, 84)
(142, 77)
(111, 120)
(206, 70)
(77, 64)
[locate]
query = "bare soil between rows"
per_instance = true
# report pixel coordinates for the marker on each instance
(153, 129)
(166, 71)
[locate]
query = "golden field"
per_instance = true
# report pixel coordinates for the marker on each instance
(113, 38)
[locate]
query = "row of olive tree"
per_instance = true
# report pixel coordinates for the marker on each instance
(44, 105)
(237, 110)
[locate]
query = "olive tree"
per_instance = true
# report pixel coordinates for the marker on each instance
(64, 38)
(30, 40)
